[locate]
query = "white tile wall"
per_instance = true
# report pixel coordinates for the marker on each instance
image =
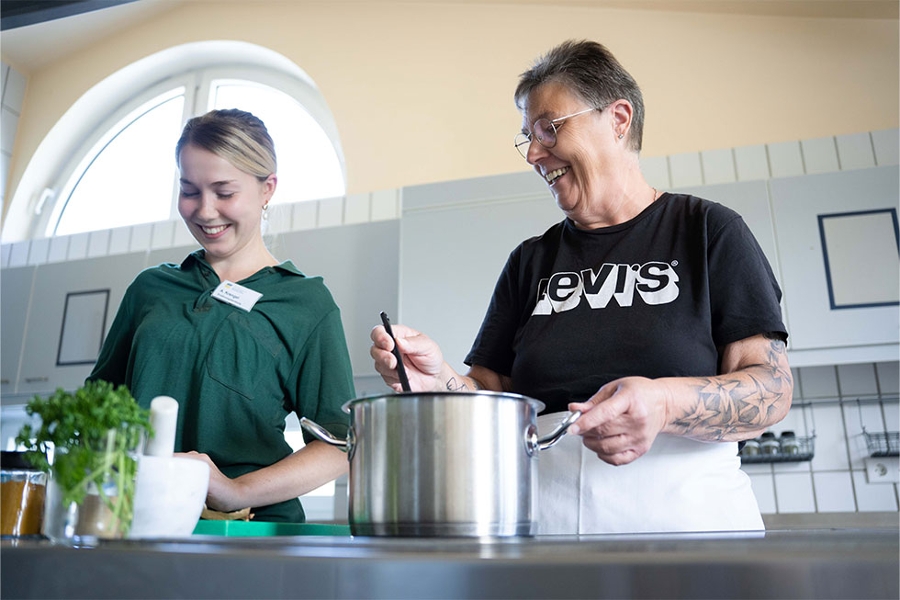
(794, 493)
(752, 163)
(18, 256)
(886, 146)
(819, 382)
(834, 403)
(37, 253)
(141, 236)
(857, 380)
(331, 212)
(163, 235)
(385, 205)
(888, 377)
(306, 215)
(820, 155)
(98, 244)
(785, 159)
(356, 209)
(872, 497)
(718, 166)
(78, 246)
(686, 169)
(834, 492)
(120, 240)
(279, 221)
(656, 171)
(764, 489)
(855, 151)
(59, 249)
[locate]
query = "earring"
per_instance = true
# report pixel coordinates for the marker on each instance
(265, 214)
(621, 135)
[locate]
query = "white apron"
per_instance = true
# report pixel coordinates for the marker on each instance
(679, 485)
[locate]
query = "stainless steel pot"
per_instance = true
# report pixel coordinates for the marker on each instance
(443, 463)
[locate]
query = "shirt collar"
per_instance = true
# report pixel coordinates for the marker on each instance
(198, 257)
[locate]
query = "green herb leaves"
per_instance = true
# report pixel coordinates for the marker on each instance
(95, 434)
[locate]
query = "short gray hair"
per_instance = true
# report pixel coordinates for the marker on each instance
(590, 71)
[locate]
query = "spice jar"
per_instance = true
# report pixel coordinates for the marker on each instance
(768, 444)
(790, 445)
(751, 448)
(22, 489)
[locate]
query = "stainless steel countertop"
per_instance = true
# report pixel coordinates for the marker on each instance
(777, 564)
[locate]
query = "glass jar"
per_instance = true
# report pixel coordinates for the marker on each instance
(22, 493)
(789, 443)
(751, 448)
(768, 444)
(101, 505)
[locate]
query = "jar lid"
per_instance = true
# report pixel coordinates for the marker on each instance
(15, 461)
(767, 435)
(787, 434)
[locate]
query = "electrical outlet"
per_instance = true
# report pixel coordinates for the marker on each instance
(883, 469)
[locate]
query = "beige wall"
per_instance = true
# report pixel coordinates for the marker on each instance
(422, 92)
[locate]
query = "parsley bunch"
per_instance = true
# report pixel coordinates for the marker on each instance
(95, 434)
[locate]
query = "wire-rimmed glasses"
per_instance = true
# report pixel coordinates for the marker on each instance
(544, 131)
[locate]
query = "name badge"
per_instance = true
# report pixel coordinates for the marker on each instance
(236, 295)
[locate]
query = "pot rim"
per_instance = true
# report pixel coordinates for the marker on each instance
(537, 404)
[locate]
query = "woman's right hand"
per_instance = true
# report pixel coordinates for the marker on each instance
(422, 358)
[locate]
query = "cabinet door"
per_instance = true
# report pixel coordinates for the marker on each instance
(837, 241)
(452, 253)
(54, 354)
(359, 266)
(15, 284)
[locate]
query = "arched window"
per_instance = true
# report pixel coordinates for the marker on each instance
(120, 169)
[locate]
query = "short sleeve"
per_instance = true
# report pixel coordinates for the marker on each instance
(744, 294)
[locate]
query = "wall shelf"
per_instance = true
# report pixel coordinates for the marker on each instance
(803, 450)
(882, 444)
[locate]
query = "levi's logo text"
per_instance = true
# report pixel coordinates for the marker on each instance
(651, 283)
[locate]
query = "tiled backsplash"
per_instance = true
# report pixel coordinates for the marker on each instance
(834, 403)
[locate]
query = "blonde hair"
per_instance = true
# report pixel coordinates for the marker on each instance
(235, 135)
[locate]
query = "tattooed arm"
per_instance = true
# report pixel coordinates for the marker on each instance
(621, 421)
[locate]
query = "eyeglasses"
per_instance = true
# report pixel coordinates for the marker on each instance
(544, 131)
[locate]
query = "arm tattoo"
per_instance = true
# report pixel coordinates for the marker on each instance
(455, 386)
(728, 406)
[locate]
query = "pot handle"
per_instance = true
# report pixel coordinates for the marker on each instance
(323, 434)
(549, 440)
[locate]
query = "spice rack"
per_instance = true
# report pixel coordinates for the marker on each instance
(788, 447)
(779, 450)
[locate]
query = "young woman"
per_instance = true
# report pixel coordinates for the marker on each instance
(238, 338)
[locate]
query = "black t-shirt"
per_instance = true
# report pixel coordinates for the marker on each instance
(657, 296)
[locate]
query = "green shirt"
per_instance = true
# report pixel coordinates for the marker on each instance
(235, 374)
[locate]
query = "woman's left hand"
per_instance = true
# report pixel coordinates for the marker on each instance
(621, 421)
(224, 493)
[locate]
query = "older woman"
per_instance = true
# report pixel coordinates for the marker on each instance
(654, 314)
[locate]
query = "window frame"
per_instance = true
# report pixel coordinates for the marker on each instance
(198, 85)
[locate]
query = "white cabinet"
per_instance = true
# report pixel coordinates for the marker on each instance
(16, 284)
(359, 266)
(58, 351)
(455, 240)
(838, 248)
